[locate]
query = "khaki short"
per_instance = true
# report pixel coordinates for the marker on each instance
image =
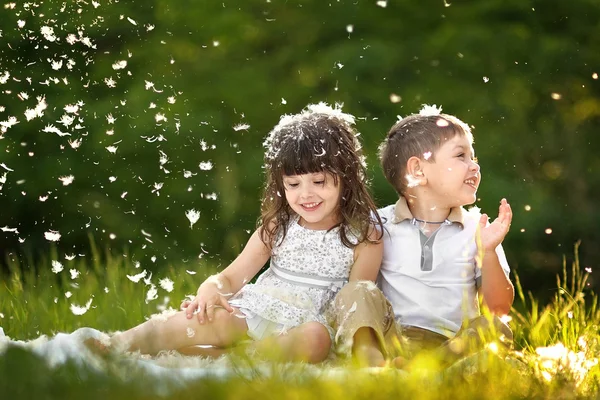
(362, 305)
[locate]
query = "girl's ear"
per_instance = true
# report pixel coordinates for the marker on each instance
(415, 172)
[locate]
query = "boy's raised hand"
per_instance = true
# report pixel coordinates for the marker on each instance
(493, 234)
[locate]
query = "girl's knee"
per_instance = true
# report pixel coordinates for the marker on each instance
(318, 341)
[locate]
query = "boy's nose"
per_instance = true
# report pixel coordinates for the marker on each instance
(475, 166)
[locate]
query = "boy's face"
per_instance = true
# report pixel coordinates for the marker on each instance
(453, 174)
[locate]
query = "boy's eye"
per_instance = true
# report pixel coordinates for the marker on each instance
(292, 185)
(461, 155)
(319, 182)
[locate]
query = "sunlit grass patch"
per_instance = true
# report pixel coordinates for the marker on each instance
(555, 356)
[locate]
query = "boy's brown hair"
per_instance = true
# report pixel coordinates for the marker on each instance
(416, 136)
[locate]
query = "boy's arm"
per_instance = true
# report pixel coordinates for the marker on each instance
(497, 290)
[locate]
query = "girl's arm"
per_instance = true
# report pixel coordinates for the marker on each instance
(367, 258)
(215, 290)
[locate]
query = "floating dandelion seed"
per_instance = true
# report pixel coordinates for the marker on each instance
(171, 100)
(7, 229)
(157, 187)
(75, 143)
(427, 155)
(53, 129)
(193, 216)
(66, 180)
(411, 181)
(56, 65)
(71, 108)
(66, 120)
(110, 119)
(138, 277)
(48, 33)
(110, 82)
(159, 117)
(190, 332)
(120, 65)
(69, 257)
(548, 231)
(486, 79)
(68, 294)
(429, 110)
(80, 310)
(349, 28)
(352, 308)
(152, 294)
(394, 98)
(594, 76)
(20, 23)
(588, 270)
(240, 127)
(206, 166)
(166, 284)
(52, 236)
(112, 149)
(283, 101)
(527, 207)
(74, 273)
(131, 21)
(382, 3)
(56, 266)
(556, 96)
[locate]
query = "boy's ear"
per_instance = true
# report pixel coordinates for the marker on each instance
(414, 169)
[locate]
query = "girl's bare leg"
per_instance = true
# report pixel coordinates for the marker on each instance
(309, 342)
(177, 331)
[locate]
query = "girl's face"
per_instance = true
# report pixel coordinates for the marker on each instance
(315, 198)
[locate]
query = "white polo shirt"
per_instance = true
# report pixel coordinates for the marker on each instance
(432, 282)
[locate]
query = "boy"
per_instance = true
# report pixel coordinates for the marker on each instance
(438, 258)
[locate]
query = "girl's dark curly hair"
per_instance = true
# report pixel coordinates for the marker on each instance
(319, 139)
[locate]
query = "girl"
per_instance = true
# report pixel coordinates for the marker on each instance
(319, 227)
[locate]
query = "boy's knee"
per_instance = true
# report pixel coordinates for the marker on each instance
(357, 289)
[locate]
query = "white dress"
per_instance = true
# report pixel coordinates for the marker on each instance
(306, 271)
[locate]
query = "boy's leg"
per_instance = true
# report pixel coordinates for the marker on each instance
(177, 331)
(474, 335)
(365, 323)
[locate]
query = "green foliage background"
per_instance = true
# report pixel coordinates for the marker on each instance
(521, 72)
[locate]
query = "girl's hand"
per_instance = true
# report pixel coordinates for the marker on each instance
(207, 298)
(493, 234)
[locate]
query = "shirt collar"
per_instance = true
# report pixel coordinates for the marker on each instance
(402, 213)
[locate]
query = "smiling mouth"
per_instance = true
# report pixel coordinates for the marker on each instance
(310, 206)
(471, 182)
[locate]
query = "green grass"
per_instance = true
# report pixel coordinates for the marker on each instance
(555, 356)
